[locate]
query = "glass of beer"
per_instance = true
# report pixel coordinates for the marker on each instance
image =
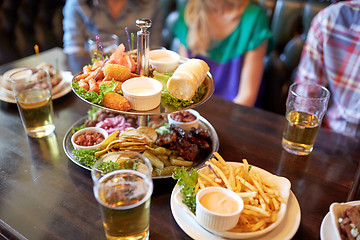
(123, 187)
(32, 91)
(306, 105)
(108, 42)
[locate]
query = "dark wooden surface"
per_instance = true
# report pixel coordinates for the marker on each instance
(43, 195)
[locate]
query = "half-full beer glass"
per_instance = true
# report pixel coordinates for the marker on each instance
(32, 91)
(306, 105)
(124, 194)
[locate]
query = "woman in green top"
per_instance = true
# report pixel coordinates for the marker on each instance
(232, 37)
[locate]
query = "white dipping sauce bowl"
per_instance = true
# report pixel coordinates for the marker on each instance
(216, 221)
(143, 93)
(186, 125)
(92, 130)
(164, 61)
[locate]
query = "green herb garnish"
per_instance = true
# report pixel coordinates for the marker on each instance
(163, 129)
(110, 166)
(247, 175)
(75, 129)
(187, 181)
(85, 157)
(107, 167)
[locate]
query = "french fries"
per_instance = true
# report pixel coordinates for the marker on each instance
(262, 200)
(155, 161)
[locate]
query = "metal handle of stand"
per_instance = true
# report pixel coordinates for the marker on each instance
(143, 120)
(143, 47)
(143, 42)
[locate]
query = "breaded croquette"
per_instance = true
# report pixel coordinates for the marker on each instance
(116, 72)
(116, 101)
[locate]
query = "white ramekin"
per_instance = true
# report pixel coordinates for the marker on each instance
(216, 221)
(160, 65)
(142, 102)
(186, 125)
(88, 129)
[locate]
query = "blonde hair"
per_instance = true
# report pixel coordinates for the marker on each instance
(198, 20)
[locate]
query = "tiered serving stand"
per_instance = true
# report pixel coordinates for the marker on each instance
(162, 110)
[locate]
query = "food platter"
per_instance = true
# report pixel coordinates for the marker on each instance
(63, 88)
(198, 162)
(163, 108)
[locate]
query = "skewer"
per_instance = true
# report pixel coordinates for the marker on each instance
(36, 48)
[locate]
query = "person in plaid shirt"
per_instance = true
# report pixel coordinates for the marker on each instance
(331, 57)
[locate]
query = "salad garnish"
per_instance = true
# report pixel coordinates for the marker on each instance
(169, 99)
(92, 96)
(187, 180)
(86, 157)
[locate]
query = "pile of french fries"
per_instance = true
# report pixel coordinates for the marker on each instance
(262, 199)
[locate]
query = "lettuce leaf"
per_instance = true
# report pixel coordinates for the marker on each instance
(163, 78)
(75, 129)
(169, 99)
(92, 113)
(187, 180)
(92, 96)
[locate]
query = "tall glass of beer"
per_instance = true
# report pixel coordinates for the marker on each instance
(124, 194)
(32, 91)
(306, 105)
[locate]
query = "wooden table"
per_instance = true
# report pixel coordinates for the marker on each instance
(43, 195)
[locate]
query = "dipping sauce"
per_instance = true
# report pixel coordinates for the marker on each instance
(89, 139)
(162, 58)
(219, 203)
(183, 116)
(141, 91)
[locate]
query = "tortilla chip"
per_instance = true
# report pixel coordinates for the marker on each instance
(149, 132)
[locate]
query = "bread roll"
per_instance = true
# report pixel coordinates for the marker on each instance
(187, 78)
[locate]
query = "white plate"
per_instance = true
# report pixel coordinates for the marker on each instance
(286, 229)
(283, 185)
(327, 231)
(60, 90)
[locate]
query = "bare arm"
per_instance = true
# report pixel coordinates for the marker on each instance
(251, 76)
(182, 51)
